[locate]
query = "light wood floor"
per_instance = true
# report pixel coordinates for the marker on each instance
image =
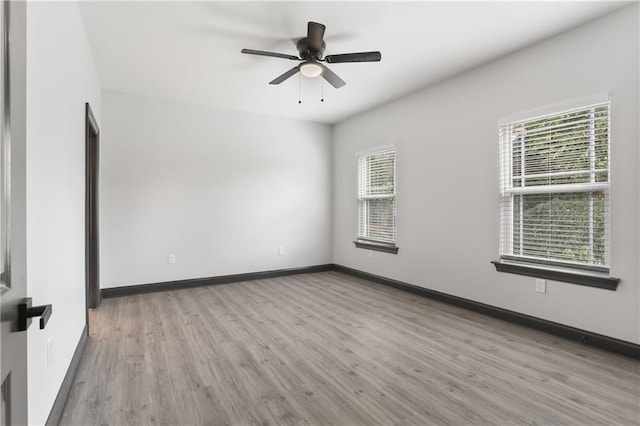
(329, 349)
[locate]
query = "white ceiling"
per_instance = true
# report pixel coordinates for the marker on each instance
(191, 50)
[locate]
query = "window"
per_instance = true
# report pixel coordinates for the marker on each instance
(377, 201)
(554, 194)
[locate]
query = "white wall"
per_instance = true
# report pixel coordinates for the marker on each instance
(60, 78)
(447, 153)
(220, 189)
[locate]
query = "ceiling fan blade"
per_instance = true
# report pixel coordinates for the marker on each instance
(273, 54)
(354, 57)
(315, 34)
(332, 77)
(285, 76)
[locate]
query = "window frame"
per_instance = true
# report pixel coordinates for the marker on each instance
(549, 268)
(363, 241)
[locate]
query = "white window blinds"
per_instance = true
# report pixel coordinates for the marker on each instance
(555, 188)
(377, 196)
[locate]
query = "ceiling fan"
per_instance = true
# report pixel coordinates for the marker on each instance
(311, 49)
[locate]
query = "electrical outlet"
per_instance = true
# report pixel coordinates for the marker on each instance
(280, 251)
(171, 258)
(370, 254)
(50, 352)
(541, 285)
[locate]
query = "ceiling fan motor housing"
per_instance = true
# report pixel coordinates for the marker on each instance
(304, 51)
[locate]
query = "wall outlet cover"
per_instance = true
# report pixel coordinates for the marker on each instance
(541, 285)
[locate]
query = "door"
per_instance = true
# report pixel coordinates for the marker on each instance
(92, 264)
(13, 211)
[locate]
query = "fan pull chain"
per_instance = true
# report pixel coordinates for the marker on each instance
(322, 86)
(299, 89)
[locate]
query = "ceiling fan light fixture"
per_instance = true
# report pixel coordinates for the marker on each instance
(310, 69)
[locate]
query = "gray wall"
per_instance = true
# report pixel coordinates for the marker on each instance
(60, 78)
(447, 185)
(220, 189)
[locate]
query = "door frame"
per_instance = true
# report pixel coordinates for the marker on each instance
(13, 347)
(92, 263)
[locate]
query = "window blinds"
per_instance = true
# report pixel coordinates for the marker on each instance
(555, 188)
(376, 196)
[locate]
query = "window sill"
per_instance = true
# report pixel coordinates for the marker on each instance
(590, 279)
(385, 248)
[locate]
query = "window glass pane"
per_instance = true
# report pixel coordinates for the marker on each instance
(562, 149)
(378, 219)
(564, 226)
(602, 144)
(381, 170)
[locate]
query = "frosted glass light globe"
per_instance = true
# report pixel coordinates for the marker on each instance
(310, 69)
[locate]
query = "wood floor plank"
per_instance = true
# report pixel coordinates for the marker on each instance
(330, 349)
